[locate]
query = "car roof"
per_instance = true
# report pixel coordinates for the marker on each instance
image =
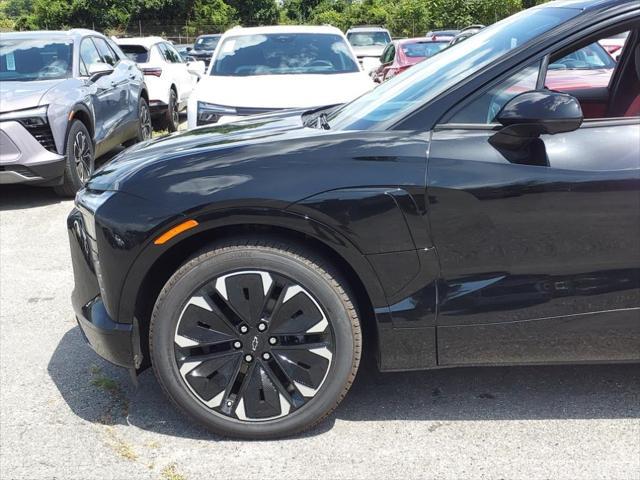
(209, 35)
(404, 41)
(324, 29)
(364, 28)
(72, 34)
(146, 42)
(583, 4)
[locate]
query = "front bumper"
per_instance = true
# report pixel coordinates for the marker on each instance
(23, 159)
(118, 343)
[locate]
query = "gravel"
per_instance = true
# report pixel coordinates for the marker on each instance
(65, 413)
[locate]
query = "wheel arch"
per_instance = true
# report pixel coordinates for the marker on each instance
(83, 114)
(356, 270)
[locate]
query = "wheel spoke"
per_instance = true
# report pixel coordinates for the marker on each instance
(298, 313)
(209, 379)
(305, 368)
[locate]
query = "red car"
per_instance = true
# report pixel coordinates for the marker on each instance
(402, 54)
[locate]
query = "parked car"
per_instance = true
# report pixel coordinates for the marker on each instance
(442, 35)
(465, 33)
(265, 69)
(169, 78)
(66, 98)
(614, 44)
(402, 54)
(204, 46)
(250, 263)
(183, 49)
(368, 43)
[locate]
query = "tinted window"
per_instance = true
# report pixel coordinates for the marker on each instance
(485, 108)
(206, 43)
(108, 55)
(89, 53)
(394, 99)
(422, 49)
(590, 57)
(33, 59)
(137, 53)
(170, 54)
(284, 54)
(368, 39)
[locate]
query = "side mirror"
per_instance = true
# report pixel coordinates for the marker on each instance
(98, 70)
(539, 112)
(189, 49)
(196, 68)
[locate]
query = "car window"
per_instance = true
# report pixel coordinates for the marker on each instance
(389, 54)
(106, 53)
(423, 49)
(368, 39)
(396, 99)
(28, 59)
(137, 53)
(171, 54)
(284, 54)
(591, 57)
(206, 43)
(485, 107)
(89, 53)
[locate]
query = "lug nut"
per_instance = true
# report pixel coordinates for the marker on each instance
(262, 326)
(248, 358)
(273, 340)
(244, 329)
(266, 356)
(237, 345)
(229, 403)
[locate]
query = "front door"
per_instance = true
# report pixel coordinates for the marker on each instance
(539, 253)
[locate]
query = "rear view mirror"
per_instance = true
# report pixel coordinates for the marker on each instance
(538, 112)
(196, 67)
(99, 69)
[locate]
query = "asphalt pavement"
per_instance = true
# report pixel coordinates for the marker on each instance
(66, 414)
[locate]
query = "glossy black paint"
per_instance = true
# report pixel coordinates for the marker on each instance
(453, 239)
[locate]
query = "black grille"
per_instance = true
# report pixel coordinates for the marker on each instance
(42, 133)
(255, 110)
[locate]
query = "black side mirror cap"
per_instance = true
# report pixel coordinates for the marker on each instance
(539, 112)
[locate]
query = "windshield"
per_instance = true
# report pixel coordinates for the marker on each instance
(368, 39)
(30, 59)
(206, 43)
(137, 53)
(423, 49)
(404, 93)
(591, 57)
(284, 54)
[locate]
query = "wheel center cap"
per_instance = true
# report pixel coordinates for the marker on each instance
(254, 343)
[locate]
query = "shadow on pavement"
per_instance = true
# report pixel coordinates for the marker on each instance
(99, 392)
(19, 197)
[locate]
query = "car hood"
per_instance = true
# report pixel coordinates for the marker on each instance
(370, 51)
(21, 95)
(207, 146)
(282, 91)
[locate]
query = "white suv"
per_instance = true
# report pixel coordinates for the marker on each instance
(368, 42)
(264, 69)
(169, 79)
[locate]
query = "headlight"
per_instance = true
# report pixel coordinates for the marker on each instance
(211, 113)
(27, 117)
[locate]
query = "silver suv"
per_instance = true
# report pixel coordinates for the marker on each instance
(65, 99)
(368, 43)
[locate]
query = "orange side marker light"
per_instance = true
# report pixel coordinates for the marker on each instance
(177, 230)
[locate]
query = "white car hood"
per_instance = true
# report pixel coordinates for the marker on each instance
(370, 51)
(282, 91)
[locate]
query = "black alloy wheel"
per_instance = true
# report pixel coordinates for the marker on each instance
(257, 350)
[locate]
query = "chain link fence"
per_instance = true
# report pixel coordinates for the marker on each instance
(179, 33)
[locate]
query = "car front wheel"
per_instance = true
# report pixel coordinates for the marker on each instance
(80, 161)
(255, 339)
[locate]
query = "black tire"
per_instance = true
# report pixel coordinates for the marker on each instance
(80, 162)
(170, 120)
(144, 124)
(318, 333)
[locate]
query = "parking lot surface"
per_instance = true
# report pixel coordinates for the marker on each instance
(65, 413)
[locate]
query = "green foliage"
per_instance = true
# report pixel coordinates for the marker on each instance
(402, 17)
